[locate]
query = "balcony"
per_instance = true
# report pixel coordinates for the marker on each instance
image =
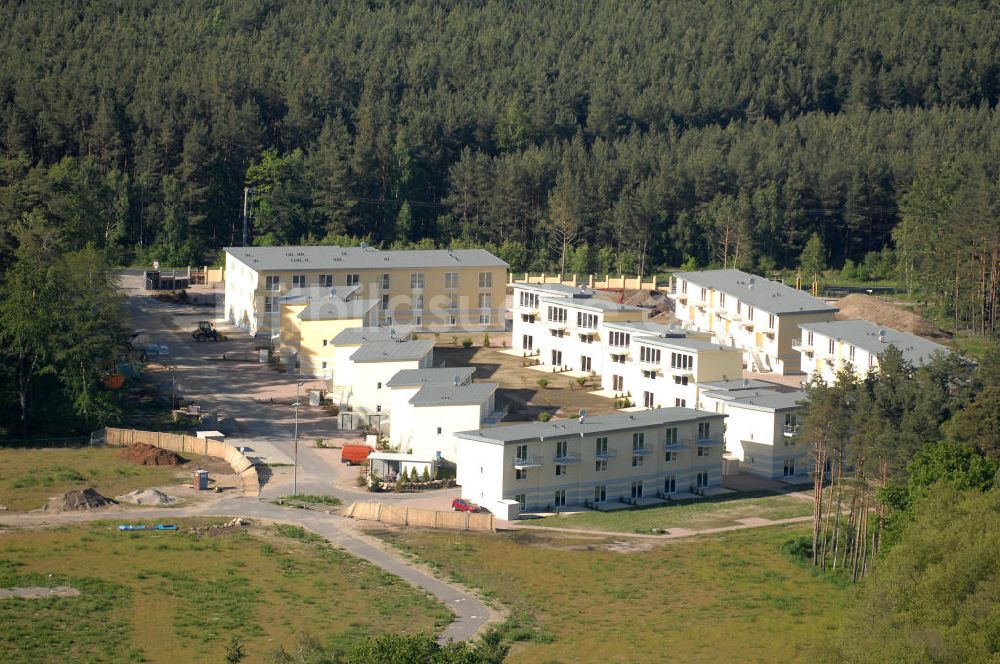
(556, 324)
(792, 429)
(641, 451)
(710, 441)
(528, 462)
(730, 315)
(679, 371)
(606, 454)
(673, 294)
(565, 459)
(747, 323)
(807, 348)
(673, 447)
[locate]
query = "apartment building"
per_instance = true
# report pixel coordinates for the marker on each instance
(339, 349)
(660, 368)
(311, 317)
(758, 316)
(763, 428)
(430, 289)
(562, 325)
(425, 424)
(363, 378)
(828, 347)
(591, 460)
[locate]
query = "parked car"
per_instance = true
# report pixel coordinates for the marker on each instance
(355, 454)
(155, 350)
(463, 505)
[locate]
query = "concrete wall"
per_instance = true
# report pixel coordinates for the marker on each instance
(408, 516)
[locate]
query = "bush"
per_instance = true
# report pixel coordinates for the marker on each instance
(427, 475)
(544, 417)
(543, 382)
(466, 343)
(486, 341)
(320, 443)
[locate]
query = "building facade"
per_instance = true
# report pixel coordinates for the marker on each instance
(429, 289)
(591, 461)
(758, 316)
(425, 424)
(368, 370)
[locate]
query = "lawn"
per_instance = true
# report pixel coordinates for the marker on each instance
(733, 597)
(698, 514)
(30, 476)
(177, 596)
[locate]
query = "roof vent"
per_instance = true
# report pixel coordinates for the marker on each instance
(583, 415)
(751, 282)
(455, 381)
(746, 383)
(881, 336)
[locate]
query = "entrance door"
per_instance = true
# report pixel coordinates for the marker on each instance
(585, 363)
(789, 468)
(527, 342)
(557, 358)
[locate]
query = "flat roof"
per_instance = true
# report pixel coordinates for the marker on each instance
(591, 302)
(398, 456)
(300, 295)
(765, 400)
(610, 423)
(336, 309)
(392, 351)
(359, 258)
(355, 336)
(420, 377)
(865, 334)
(647, 328)
(738, 384)
(555, 289)
(451, 395)
(766, 295)
(684, 343)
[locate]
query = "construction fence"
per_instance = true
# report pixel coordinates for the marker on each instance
(181, 443)
(399, 515)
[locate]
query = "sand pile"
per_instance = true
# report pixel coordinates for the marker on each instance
(147, 497)
(866, 307)
(149, 455)
(76, 500)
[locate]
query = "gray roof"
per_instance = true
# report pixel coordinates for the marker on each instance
(739, 384)
(355, 336)
(554, 289)
(310, 293)
(359, 258)
(421, 377)
(647, 328)
(770, 296)
(337, 309)
(766, 400)
(685, 343)
(392, 351)
(643, 419)
(593, 303)
(450, 395)
(865, 334)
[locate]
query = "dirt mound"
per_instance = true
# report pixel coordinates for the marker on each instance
(866, 307)
(147, 497)
(149, 455)
(76, 500)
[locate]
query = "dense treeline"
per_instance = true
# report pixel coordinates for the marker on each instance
(630, 134)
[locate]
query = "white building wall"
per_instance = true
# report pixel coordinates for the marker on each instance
(368, 392)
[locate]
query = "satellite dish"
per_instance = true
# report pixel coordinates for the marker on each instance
(456, 380)
(881, 336)
(583, 413)
(751, 282)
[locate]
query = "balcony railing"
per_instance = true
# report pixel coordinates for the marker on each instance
(709, 441)
(606, 454)
(798, 345)
(528, 462)
(673, 447)
(566, 459)
(641, 451)
(792, 429)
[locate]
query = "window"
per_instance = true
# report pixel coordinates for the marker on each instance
(326, 342)
(521, 452)
(680, 380)
(619, 339)
(584, 320)
(451, 280)
(439, 431)
(669, 484)
(600, 493)
(452, 301)
(649, 373)
(562, 447)
(681, 361)
(388, 320)
(638, 450)
(585, 363)
(671, 456)
(789, 468)
(485, 300)
(416, 280)
(418, 320)
(704, 295)
(770, 321)
(680, 403)
(272, 283)
(850, 353)
(704, 430)
(749, 312)
(601, 466)
(617, 383)
(527, 341)
(529, 300)
(637, 489)
(671, 436)
(418, 302)
(829, 346)
(703, 451)
(809, 338)
(520, 473)
(560, 469)
(452, 320)
(557, 358)
(648, 399)
(557, 315)
(638, 441)
(702, 480)
(353, 279)
(649, 355)
(739, 307)
(385, 302)
(379, 385)
(684, 287)
(326, 281)
(559, 499)
(324, 365)
(520, 498)
(556, 333)
(618, 358)
(587, 338)
(269, 304)
(722, 299)
(298, 281)
(486, 280)
(385, 281)
(484, 319)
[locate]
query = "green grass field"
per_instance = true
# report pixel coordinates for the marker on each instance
(699, 514)
(30, 476)
(725, 598)
(176, 596)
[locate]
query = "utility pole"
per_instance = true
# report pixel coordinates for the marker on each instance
(246, 215)
(295, 466)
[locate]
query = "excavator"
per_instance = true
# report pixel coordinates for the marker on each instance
(207, 332)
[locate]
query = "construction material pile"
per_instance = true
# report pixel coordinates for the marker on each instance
(866, 307)
(76, 500)
(149, 455)
(147, 497)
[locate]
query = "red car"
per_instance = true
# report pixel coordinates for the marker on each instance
(463, 505)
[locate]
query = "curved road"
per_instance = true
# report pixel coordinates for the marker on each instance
(471, 615)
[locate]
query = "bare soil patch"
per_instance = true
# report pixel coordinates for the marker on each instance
(866, 307)
(77, 500)
(38, 592)
(149, 455)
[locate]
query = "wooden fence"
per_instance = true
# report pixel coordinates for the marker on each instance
(399, 515)
(181, 443)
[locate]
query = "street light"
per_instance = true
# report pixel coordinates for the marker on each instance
(173, 388)
(295, 466)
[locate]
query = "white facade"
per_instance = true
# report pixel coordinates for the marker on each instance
(607, 458)
(763, 428)
(370, 367)
(426, 423)
(760, 317)
(826, 348)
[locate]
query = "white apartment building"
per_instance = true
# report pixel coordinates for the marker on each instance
(656, 369)
(759, 316)
(336, 357)
(425, 425)
(763, 427)
(372, 365)
(828, 347)
(592, 460)
(562, 325)
(430, 289)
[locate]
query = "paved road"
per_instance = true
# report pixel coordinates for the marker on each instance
(470, 614)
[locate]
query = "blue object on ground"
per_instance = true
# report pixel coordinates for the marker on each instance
(165, 526)
(129, 526)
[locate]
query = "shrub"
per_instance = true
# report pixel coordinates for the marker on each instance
(320, 443)
(544, 417)
(543, 382)
(466, 343)
(427, 475)
(486, 341)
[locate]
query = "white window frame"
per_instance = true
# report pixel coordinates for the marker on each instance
(417, 280)
(486, 280)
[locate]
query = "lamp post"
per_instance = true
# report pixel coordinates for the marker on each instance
(295, 466)
(173, 388)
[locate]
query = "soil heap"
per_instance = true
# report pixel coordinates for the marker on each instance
(147, 497)
(866, 307)
(76, 500)
(149, 455)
